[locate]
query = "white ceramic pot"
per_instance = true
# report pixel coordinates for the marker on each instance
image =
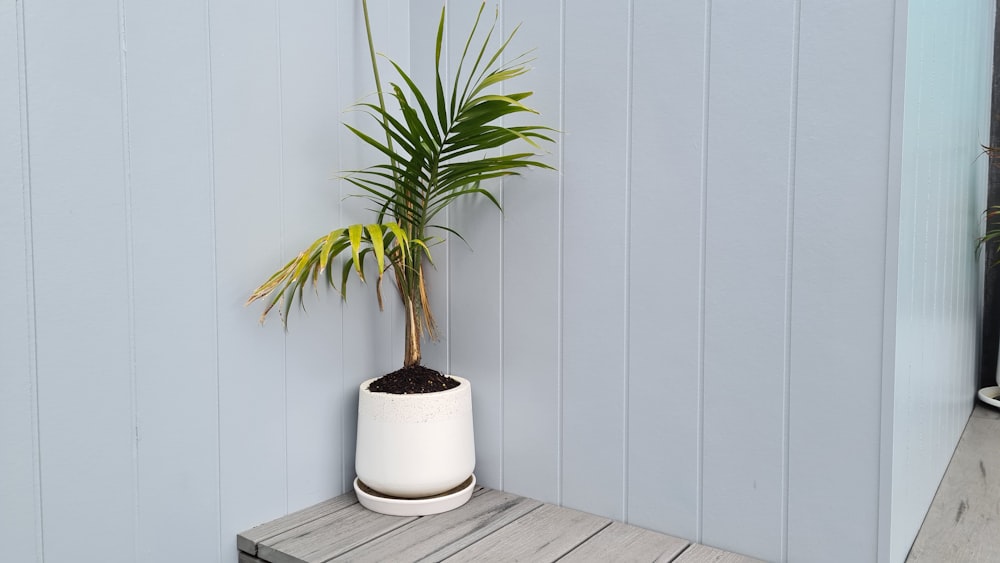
(415, 446)
(991, 395)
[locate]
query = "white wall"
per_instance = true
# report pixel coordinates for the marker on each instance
(940, 201)
(683, 328)
(699, 300)
(158, 162)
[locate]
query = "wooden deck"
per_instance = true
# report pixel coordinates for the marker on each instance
(963, 523)
(492, 526)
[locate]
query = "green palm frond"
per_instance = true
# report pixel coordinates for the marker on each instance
(438, 149)
(992, 234)
(387, 241)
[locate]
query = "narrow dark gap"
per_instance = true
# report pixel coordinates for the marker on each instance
(683, 551)
(586, 539)
(991, 295)
(434, 555)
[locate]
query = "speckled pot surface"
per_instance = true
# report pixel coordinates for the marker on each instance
(414, 446)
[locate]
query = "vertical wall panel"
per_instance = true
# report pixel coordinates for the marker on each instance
(174, 328)
(365, 328)
(246, 132)
(891, 303)
(19, 515)
(531, 265)
(397, 41)
(81, 275)
(475, 271)
(746, 269)
(359, 314)
(423, 27)
(310, 45)
(368, 334)
(594, 277)
(941, 197)
(665, 255)
(838, 279)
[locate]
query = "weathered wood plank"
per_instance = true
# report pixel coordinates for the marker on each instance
(545, 534)
(493, 525)
(329, 536)
(963, 522)
(247, 558)
(621, 542)
(704, 554)
(436, 537)
(248, 540)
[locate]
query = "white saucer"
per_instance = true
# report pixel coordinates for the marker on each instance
(989, 395)
(394, 506)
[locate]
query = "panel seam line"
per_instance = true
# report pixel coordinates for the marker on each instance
(129, 271)
(500, 314)
(560, 275)
(789, 272)
(213, 218)
(706, 89)
(30, 305)
(281, 231)
(627, 300)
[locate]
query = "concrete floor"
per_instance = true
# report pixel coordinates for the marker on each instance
(963, 523)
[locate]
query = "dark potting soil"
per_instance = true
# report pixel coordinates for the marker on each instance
(411, 380)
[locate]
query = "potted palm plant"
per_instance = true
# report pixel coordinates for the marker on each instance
(990, 394)
(415, 425)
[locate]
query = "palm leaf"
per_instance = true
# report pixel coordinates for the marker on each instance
(431, 126)
(436, 150)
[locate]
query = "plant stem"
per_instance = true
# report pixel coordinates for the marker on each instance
(411, 350)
